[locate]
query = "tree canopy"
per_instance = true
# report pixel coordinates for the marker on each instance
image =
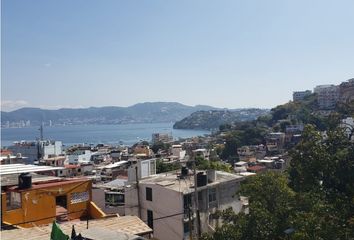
(315, 198)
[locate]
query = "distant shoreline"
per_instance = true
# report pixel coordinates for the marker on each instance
(125, 134)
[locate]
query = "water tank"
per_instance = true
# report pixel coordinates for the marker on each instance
(184, 171)
(202, 179)
(24, 181)
(211, 175)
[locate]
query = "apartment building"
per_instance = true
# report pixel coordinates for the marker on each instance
(327, 96)
(275, 141)
(178, 152)
(80, 157)
(246, 153)
(161, 137)
(166, 201)
(299, 96)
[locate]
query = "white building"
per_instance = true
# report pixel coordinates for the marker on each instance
(36, 150)
(165, 201)
(202, 152)
(348, 125)
(327, 96)
(80, 157)
(178, 152)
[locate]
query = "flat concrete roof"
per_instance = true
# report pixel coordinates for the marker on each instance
(172, 181)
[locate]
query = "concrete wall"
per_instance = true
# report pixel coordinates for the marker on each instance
(98, 197)
(224, 199)
(165, 202)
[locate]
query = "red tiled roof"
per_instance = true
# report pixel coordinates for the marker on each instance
(256, 168)
(71, 166)
(5, 152)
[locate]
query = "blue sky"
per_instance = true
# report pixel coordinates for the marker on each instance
(231, 54)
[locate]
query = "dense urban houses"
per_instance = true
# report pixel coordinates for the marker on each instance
(35, 150)
(30, 202)
(346, 91)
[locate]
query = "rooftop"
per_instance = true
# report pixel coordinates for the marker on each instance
(54, 158)
(12, 179)
(172, 181)
(131, 225)
(52, 183)
(115, 184)
(256, 168)
(24, 168)
(113, 165)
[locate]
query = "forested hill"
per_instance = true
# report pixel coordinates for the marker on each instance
(139, 113)
(214, 118)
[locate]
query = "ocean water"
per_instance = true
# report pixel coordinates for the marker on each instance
(126, 134)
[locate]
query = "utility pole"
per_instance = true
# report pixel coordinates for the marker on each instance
(190, 222)
(196, 201)
(137, 189)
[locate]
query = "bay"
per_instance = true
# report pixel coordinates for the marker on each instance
(126, 134)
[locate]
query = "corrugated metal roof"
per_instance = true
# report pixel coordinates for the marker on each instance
(113, 165)
(12, 179)
(131, 225)
(25, 168)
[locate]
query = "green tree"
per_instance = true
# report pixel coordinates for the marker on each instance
(270, 204)
(160, 146)
(203, 164)
(162, 166)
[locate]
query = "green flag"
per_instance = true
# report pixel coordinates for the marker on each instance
(57, 233)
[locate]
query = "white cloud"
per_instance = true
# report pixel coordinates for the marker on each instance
(47, 65)
(10, 105)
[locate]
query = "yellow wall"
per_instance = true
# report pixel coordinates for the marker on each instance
(95, 211)
(39, 205)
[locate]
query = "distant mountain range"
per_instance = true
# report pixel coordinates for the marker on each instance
(212, 119)
(147, 112)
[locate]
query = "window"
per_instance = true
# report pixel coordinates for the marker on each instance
(148, 194)
(150, 219)
(212, 195)
(114, 199)
(80, 197)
